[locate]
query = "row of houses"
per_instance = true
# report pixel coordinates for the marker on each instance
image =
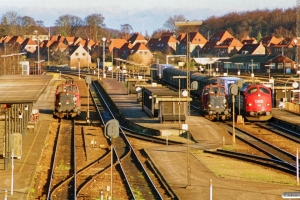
(247, 52)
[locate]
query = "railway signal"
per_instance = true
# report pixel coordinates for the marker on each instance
(233, 91)
(111, 130)
(88, 81)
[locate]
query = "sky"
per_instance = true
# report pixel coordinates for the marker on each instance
(143, 15)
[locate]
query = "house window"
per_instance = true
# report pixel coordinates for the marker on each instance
(83, 54)
(76, 54)
(255, 66)
(287, 65)
(273, 66)
(145, 52)
(141, 52)
(238, 66)
(280, 66)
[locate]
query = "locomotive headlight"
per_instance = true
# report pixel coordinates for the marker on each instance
(268, 104)
(224, 100)
(250, 104)
(258, 95)
(209, 105)
(59, 103)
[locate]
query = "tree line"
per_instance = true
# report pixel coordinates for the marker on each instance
(257, 24)
(92, 26)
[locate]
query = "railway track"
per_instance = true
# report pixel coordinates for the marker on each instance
(281, 130)
(63, 164)
(124, 166)
(119, 160)
(138, 183)
(268, 162)
(278, 156)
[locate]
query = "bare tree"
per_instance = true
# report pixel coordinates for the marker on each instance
(9, 23)
(170, 23)
(94, 23)
(126, 30)
(68, 24)
(157, 33)
(13, 24)
(40, 23)
(25, 23)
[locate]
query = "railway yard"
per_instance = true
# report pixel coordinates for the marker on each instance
(75, 159)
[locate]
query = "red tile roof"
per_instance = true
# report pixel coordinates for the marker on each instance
(136, 37)
(139, 47)
(268, 40)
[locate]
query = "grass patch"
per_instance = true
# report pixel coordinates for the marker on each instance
(230, 168)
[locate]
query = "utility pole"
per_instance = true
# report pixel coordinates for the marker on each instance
(187, 24)
(297, 32)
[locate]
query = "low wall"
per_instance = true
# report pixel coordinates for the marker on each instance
(292, 107)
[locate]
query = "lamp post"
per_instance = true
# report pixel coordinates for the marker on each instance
(252, 74)
(210, 67)
(283, 68)
(297, 51)
(217, 68)
(239, 68)
(98, 60)
(269, 70)
(186, 24)
(227, 66)
(298, 72)
(88, 55)
(179, 80)
(103, 66)
(285, 98)
(272, 81)
(38, 46)
(78, 59)
(4, 68)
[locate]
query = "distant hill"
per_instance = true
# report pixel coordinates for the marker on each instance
(257, 24)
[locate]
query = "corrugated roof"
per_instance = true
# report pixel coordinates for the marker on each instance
(22, 88)
(256, 58)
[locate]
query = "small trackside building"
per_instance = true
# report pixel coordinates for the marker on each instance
(164, 104)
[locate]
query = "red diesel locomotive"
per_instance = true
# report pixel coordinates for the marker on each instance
(67, 101)
(254, 102)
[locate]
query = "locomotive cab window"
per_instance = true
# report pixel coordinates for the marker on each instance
(206, 91)
(252, 90)
(264, 90)
(214, 90)
(222, 90)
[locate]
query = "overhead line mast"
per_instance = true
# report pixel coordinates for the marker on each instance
(297, 32)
